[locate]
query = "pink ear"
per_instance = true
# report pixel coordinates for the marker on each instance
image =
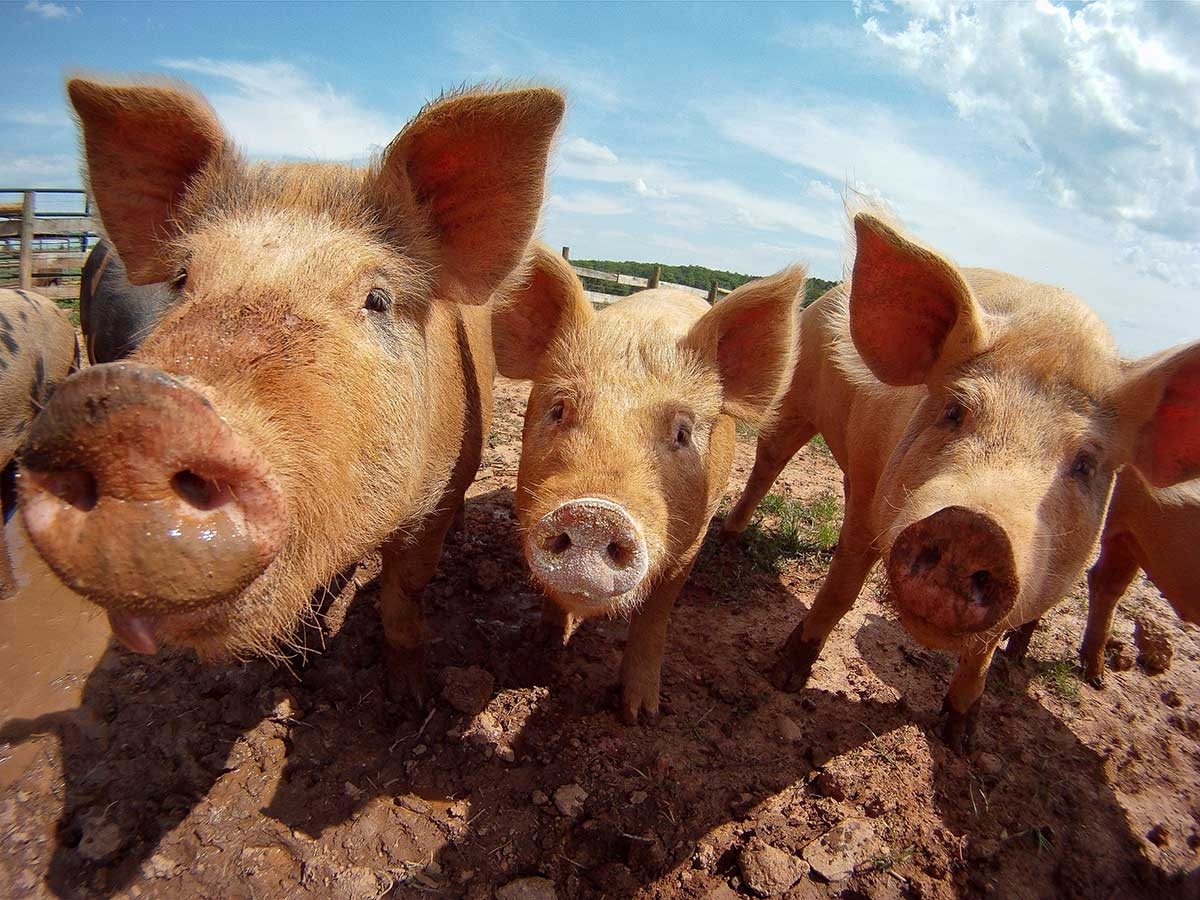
(471, 170)
(546, 301)
(1160, 404)
(144, 145)
(912, 316)
(752, 334)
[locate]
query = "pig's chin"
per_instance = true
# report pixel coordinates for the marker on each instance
(585, 606)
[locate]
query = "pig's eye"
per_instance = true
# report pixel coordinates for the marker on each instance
(378, 300)
(180, 280)
(557, 411)
(683, 435)
(1084, 466)
(954, 413)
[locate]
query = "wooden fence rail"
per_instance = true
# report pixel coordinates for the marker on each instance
(51, 243)
(713, 293)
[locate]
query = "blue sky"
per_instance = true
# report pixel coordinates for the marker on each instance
(1055, 141)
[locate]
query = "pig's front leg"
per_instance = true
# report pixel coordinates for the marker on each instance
(1108, 579)
(641, 665)
(408, 564)
(848, 569)
(960, 709)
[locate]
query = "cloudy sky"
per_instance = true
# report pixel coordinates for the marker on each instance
(1056, 141)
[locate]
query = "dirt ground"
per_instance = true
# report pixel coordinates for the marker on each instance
(175, 780)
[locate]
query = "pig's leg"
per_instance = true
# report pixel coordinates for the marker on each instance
(8, 584)
(771, 454)
(557, 625)
(960, 709)
(1108, 579)
(848, 569)
(641, 664)
(1018, 644)
(408, 564)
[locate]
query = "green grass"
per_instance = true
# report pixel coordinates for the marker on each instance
(1062, 679)
(71, 307)
(747, 434)
(793, 529)
(818, 444)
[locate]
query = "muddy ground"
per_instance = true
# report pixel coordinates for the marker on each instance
(175, 780)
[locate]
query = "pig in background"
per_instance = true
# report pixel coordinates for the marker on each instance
(38, 349)
(628, 441)
(1155, 530)
(320, 385)
(114, 315)
(978, 419)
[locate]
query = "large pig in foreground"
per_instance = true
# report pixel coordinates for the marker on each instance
(1155, 530)
(38, 349)
(628, 440)
(978, 420)
(114, 315)
(321, 384)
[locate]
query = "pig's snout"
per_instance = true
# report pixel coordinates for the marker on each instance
(954, 571)
(588, 547)
(141, 497)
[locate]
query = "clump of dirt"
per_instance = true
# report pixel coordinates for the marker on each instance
(177, 780)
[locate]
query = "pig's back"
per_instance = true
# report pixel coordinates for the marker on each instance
(1165, 525)
(660, 308)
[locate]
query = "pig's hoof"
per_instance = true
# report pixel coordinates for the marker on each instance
(957, 730)
(796, 658)
(639, 705)
(1094, 675)
(406, 683)
(729, 538)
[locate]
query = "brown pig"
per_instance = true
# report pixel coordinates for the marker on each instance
(1155, 530)
(978, 420)
(320, 384)
(628, 440)
(38, 349)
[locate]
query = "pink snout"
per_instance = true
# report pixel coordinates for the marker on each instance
(954, 571)
(588, 547)
(141, 497)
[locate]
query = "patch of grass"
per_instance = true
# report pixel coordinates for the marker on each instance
(1062, 679)
(793, 529)
(71, 307)
(818, 444)
(747, 434)
(889, 860)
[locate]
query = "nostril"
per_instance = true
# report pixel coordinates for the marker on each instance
(619, 554)
(560, 544)
(925, 560)
(980, 583)
(197, 491)
(74, 486)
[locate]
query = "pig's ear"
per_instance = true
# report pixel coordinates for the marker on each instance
(144, 145)
(468, 174)
(912, 317)
(545, 301)
(751, 335)
(1159, 412)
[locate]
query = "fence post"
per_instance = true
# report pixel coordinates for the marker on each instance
(567, 253)
(653, 282)
(712, 293)
(25, 270)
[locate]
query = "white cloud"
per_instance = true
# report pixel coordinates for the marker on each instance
(39, 171)
(950, 206)
(52, 10)
(581, 150)
(274, 109)
(1106, 96)
(589, 204)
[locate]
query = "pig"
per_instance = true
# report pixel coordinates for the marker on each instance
(1155, 530)
(116, 316)
(628, 441)
(978, 420)
(320, 385)
(38, 349)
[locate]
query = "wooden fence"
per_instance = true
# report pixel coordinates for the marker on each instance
(712, 294)
(44, 238)
(45, 235)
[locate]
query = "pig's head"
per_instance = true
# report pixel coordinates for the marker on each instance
(628, 432)
(273, 427)
(992, 499)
